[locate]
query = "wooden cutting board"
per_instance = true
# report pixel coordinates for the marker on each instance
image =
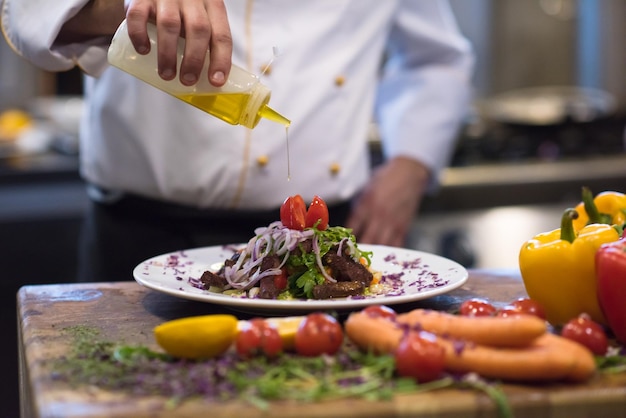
(128, 312)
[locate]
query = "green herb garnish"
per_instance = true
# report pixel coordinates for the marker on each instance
(307, 274)
(140, 371)
(613, 363)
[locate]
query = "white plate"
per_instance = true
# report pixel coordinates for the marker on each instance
(416, 275)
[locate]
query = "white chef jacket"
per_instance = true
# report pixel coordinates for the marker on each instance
(328, 80)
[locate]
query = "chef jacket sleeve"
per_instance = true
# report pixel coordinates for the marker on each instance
(31, 27)
(425, 85)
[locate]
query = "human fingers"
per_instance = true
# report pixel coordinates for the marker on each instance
(205, 25)
(167, 15)
(221, 46)
(373, 223)
(197, 30)
(378, 225)
(384, 210)
(137, 16)
(169, 27)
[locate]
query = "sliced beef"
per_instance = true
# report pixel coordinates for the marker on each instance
(209, 279)
(337, 290)
(270, 262)
(304, 247)
(346, 269)
(229, 262)
(267, 290)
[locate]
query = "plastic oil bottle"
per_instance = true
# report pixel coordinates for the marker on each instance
(242, 100)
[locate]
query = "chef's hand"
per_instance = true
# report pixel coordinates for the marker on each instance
(383, 212)
(203, 23)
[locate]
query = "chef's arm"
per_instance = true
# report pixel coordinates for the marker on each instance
(427, 73)
(99, 18)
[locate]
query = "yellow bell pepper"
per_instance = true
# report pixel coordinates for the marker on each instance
(608, 207)
(558, 269)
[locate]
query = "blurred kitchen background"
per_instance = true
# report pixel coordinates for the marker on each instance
(548, 118)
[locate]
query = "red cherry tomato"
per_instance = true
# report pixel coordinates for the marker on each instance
(293, 212)
(380, 311)
(420, 356)
(318, 211)
(477, 307)
(588, 333)
(318, 334)
(280, 280)
(529, 306)
(508, 311)
(258, 337)
(523, 306)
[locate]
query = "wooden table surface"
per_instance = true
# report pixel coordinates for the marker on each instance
(126, 311)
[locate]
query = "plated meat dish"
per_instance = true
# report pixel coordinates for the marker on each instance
(288, 259)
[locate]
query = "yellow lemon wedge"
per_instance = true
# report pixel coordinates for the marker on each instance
(287, 327)
(197, 337)
(12, 123)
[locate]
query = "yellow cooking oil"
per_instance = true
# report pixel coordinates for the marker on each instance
(270, 114)
(229, 107)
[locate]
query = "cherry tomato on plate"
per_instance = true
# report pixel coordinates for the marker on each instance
(523, 306)
(293, 212)
(318, 211)
(420, 356)
(477, 307)
(586, 332)
(380, 311)
(317, 334)
(295, 215)
(256, 337)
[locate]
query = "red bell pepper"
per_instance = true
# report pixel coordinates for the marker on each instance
(611, 281)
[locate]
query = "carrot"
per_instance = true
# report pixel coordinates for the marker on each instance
(548, 357)
(511, 331)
